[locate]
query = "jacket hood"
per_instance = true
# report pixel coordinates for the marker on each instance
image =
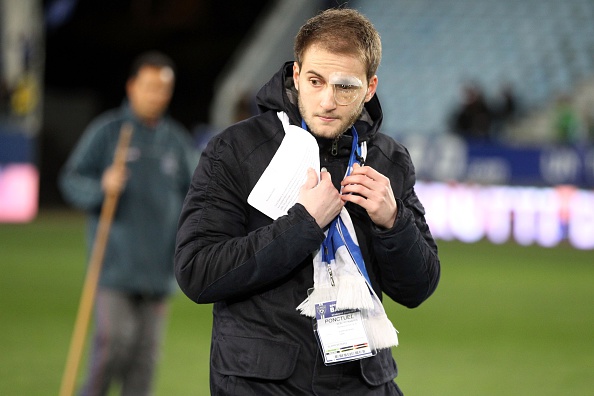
(279, 94)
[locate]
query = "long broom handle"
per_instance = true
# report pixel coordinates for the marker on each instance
(94, 269)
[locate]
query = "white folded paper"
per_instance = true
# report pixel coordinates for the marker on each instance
(277, 190)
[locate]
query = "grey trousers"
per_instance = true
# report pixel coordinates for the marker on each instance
(126, 343)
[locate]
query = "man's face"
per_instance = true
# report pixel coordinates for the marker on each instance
(315, 82)
(150, 92)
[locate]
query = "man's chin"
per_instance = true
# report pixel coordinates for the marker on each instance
(325, 132)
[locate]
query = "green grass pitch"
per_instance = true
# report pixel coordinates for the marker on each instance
(505, 320)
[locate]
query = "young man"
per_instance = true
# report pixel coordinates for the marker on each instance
(257, 271)
(137, 272)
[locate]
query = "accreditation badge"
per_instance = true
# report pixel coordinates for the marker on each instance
(341, 334)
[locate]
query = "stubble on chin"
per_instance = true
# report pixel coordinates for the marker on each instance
(343, 127)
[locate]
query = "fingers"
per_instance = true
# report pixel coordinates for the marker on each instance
(312, 179)
(362, 181)
(362, 171)
(325, 175)
(114, 179)
(371, 190)
(322, 199)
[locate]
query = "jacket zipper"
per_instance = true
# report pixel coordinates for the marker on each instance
(334, 150)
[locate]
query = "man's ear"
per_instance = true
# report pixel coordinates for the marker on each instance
(371, 88)
(296, 75)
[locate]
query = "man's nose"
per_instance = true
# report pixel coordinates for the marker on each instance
(328, 101)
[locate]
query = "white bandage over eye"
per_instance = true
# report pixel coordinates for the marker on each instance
(346, 87)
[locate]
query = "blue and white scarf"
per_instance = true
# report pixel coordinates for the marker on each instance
(340, 274)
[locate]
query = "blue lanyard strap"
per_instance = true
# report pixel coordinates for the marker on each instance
(355, 152)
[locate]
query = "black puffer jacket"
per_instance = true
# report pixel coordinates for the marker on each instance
(257, 271)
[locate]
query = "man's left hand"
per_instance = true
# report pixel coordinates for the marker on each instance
(371, 190)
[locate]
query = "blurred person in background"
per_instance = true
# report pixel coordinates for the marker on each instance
(474, 118)
(567, 126)
(506, 109)
(257, 270)
(137, 273)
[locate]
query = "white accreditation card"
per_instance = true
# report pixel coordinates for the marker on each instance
(341, 334)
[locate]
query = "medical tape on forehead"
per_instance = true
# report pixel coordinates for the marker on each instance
(166, 74)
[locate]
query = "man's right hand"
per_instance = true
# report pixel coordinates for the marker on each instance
(114, 179)
(321, 200)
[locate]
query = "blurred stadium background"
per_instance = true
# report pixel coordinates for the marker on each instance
(513, 210)
(527, 177)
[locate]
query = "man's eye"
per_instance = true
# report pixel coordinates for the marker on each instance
(346, 87)
(315, 83)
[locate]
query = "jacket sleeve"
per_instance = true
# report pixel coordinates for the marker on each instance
(407, 253)
(218, 257)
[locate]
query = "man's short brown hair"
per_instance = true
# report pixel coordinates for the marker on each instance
(342, 31)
